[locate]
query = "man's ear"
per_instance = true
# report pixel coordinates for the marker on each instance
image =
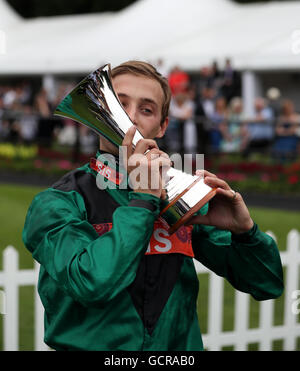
(163, 128)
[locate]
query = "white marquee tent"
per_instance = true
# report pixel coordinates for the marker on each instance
(257, 37)
(7, 15)
(189, 33)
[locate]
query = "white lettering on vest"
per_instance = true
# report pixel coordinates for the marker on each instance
(168, 244)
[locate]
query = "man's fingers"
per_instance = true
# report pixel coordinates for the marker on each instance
(127, 141)
(204, 173)
(155, 153)
(222, 187)
(163, 154)
(215, 182)
(230, 194)
(128, 138)
(152, 160)
(144, 144)
(161, 162)
(152, 154)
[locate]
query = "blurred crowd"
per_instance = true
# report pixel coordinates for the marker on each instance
(206, 116)
(26, 117)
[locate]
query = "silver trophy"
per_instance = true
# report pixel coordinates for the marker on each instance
(94, 103)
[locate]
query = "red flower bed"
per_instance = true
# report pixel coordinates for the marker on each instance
(257, 176)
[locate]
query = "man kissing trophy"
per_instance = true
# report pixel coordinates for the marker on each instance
(94, 103)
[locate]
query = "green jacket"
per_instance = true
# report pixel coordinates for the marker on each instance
(103, 289)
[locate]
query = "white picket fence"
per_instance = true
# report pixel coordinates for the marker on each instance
(11, 278)
(266, 333)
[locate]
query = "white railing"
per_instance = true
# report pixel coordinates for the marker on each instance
(266, 333)
(11, 278)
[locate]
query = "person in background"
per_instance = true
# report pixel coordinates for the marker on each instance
(216, 121)
(181, 110)
(273, 96)
(161, 68)
(231, 85)
(178, 80)
(260, 129)
(46, 124)
(200, 123)
(234, 131)
(208, 101)
(28, 125)
(204, 109)
(286, 143)
(9, 97)
(4, 124)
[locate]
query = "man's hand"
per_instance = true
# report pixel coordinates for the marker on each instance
(146, 165)
(227, 210)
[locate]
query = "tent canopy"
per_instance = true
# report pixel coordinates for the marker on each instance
(7, 15)
(257, 37)
(190, 33)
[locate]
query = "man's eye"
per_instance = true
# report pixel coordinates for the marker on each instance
(147, 110)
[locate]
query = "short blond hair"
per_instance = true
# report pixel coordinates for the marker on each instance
(140, 68)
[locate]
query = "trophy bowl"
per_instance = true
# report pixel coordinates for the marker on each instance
(94, 103)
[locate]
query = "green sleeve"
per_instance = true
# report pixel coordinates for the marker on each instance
(87, 267)
(249, 261)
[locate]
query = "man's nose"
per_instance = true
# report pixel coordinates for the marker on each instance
(132, 113)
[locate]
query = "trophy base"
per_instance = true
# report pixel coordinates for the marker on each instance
(181, 209)
(191, 212)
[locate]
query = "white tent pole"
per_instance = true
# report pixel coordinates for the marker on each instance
(251, 88)
(49, 85)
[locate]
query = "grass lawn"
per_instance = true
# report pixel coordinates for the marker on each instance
(15, 200)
